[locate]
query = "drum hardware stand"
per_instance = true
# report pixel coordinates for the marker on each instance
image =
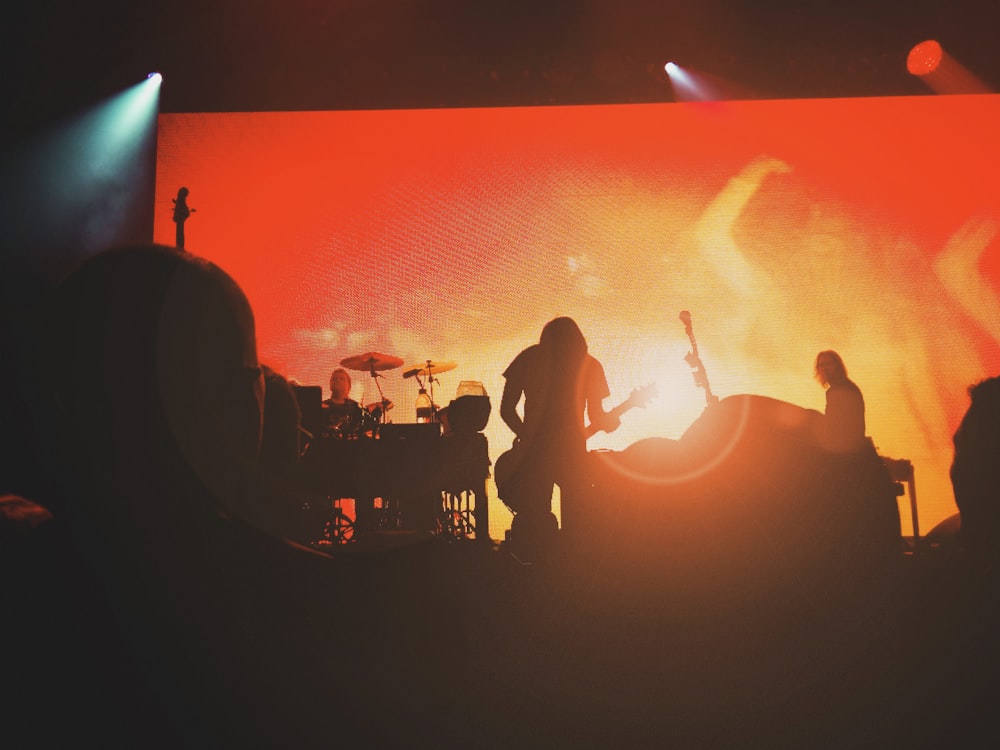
(429, 368)
(383, 405)
(389, 514)
(457, 520)
(373, 362)
(375, 376)
(337, 529)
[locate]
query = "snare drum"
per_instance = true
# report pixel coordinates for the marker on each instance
(343, 422)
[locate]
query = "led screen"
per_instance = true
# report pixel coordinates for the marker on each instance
(867, 226)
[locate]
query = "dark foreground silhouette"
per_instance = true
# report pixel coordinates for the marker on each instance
(733, 588)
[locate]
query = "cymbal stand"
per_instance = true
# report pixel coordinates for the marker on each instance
(382, 399)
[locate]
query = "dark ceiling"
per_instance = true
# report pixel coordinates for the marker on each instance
(246, 55)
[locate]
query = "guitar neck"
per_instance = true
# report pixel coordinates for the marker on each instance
(624, 406)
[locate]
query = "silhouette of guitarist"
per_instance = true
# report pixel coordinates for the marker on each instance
(562, 386)
(181, 213)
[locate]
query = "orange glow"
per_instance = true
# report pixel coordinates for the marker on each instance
(785, 227)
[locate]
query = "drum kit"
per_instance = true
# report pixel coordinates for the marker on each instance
(375, 363)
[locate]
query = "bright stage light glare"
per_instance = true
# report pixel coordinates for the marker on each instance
(86, 178)
(924, 58)
(687, 86)
(155, 77)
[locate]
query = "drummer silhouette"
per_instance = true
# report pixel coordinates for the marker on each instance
(342, 413)
(348, 419)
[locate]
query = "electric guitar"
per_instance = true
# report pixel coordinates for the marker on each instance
(505, 467)
(636, 400)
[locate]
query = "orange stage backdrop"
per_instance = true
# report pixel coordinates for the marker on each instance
(864, 225)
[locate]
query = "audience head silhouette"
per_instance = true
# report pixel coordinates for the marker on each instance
(279, 447)
(158, 377)
(975, 473)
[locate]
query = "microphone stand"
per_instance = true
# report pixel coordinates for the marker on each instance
(695, 363)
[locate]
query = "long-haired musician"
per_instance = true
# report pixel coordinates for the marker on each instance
(844, 426)
(562, 385)
(342, 413)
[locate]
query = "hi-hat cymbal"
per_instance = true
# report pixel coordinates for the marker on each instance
(371, 361)
(428, 367)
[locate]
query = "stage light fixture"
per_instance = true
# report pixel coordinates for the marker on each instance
(924, 58)
(932, 64)
(155, 77)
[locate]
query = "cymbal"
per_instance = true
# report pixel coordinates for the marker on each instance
(371, 361)
(429, 367)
